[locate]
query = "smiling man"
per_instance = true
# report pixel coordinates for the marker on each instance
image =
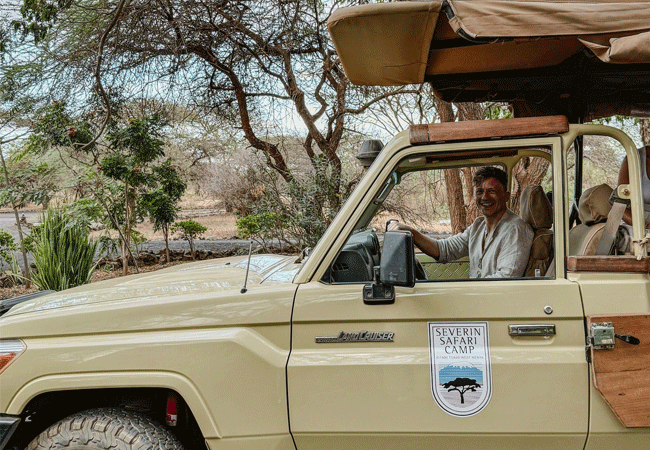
(497, 243)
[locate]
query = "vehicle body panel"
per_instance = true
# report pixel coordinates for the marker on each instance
(379, 393)
(187, 329)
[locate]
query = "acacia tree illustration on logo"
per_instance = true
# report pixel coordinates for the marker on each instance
(461, 385)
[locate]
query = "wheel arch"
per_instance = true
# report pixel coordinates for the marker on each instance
(58, 396)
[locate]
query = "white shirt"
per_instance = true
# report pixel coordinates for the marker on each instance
(503, 254)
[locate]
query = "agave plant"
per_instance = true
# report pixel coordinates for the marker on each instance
(63, 253)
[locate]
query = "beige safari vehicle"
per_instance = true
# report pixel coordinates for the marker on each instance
(362, 343)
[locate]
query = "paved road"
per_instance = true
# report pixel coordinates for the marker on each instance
(8, 223)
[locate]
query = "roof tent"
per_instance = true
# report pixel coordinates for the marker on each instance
(582, 59)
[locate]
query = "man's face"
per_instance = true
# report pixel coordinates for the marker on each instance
(491, 197)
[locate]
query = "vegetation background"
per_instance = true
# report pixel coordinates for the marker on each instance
(129, 111)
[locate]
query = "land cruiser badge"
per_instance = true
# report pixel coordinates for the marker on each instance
(461, 380)
(362, 336)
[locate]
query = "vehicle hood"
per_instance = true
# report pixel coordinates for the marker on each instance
(205, 292)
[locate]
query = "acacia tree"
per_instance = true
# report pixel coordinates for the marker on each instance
(462, 385)
(261, 65)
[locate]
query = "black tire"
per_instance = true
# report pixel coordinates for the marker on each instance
(106, 428)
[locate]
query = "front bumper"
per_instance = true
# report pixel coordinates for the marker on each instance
(8, 425)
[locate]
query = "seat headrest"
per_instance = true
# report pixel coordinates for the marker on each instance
(594, 205)
(535, 208)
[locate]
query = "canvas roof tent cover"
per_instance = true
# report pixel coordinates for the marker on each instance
(583, 59)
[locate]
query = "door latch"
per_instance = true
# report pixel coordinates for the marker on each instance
(602, 336)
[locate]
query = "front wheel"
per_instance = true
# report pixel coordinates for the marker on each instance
(104, 429)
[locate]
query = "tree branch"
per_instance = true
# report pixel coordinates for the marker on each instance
(97, 73)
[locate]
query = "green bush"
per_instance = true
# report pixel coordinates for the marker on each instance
(262, 227)
(296, 212)
(63, 253)
(189, 230)
(7, 247)
(137, 239)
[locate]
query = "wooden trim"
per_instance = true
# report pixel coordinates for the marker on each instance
(623, 263)
(621, 374)
(487, 129)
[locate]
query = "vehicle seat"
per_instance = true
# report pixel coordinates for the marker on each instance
(536, 209)
(593, 208)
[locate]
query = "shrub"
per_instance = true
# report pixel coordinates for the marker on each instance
(189, 230)
(306, 207)
(7, 247)
(63, 252)
(262, 227)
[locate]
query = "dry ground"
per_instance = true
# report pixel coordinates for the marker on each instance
(220, 225)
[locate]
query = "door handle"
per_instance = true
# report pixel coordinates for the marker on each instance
(531, 330)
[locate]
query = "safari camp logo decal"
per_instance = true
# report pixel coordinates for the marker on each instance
(461, 379)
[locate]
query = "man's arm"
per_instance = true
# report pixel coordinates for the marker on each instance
(424, 243)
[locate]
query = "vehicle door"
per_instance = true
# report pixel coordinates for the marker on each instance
(615, 292)
(452, 362)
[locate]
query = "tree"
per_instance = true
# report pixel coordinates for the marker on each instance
(18, 99)
(161, 203)
(461, 385)
(644, 125)
(134, 148)
(260, 65)
(128, 160)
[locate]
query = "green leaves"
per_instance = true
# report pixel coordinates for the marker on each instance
(262, 227)
(7, 247)
(140, 138)
(116, 166)
(39, 16)
(57, 128)
(63, 253)
(161, 207)
(189, 229)
(28, 184)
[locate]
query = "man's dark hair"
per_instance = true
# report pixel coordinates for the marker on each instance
(491, 172)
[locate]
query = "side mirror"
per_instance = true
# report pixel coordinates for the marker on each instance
(397, 266)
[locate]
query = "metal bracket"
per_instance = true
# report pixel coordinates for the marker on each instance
(601, 336)
(378, 294)
(623, 192)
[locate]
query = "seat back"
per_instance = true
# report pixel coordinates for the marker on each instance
(536, 209)
(593, 208)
